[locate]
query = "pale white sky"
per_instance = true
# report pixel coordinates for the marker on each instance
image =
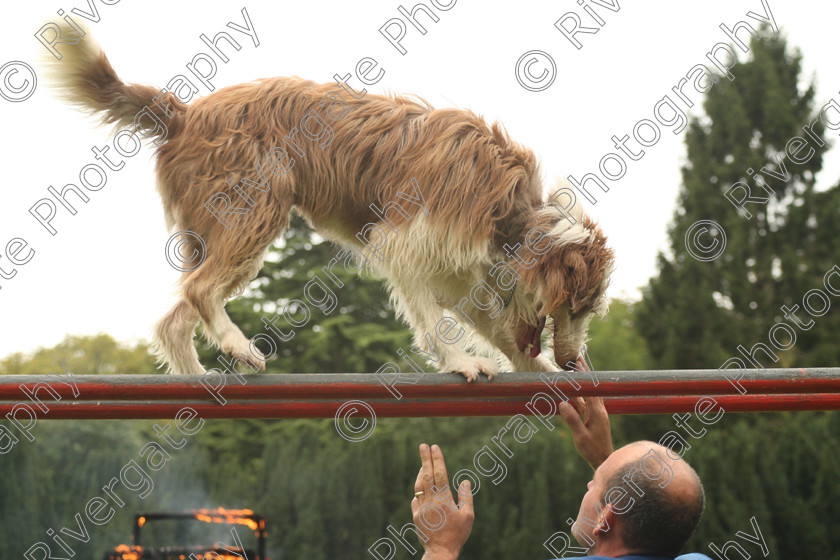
(105, 271)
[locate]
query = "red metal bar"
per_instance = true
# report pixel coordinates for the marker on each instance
(420, 407)
(430, 385)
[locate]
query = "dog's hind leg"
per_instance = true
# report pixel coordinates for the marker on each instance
(174, 339)
(234, 258)
(207, 290)
(204, 291)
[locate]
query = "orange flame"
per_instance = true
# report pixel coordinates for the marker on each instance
(141, 521)
(129, 552)
(221, 515)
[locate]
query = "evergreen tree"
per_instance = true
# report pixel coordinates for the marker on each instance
(694, 313)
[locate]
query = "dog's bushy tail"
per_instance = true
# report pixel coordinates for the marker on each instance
(85, 78)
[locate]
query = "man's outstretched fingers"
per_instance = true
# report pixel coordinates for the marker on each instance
(591, 433)
(440, 476)
(427, 470)
(597, 411)
(571, 415)
(465, 498)
(444, 524)
(422, 483)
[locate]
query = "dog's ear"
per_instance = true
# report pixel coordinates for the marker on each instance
(549, 278)
(570, 274)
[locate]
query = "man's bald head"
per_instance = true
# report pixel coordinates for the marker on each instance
(666, 493)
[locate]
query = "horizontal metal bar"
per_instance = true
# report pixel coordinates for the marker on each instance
(422, 407)
(421, 386)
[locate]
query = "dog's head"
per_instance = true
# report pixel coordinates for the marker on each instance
(569, 271)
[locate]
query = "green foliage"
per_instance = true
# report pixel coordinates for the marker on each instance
(615, 343)
(779, 468)
(85, 355)
(47, 482)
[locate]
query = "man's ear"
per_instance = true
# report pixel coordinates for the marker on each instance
(606, 522)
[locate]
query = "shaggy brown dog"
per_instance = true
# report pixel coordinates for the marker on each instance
(448, 210)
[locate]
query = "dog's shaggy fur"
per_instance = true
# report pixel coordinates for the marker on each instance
(480, 190)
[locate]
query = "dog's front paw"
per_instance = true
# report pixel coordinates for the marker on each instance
(238, 347)
(251, 356)
(471, 368)
(255, 359)
(523, 362)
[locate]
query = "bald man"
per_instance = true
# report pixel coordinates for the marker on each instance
(643, 502)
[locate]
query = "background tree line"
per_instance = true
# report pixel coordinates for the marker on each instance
(327, 498)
